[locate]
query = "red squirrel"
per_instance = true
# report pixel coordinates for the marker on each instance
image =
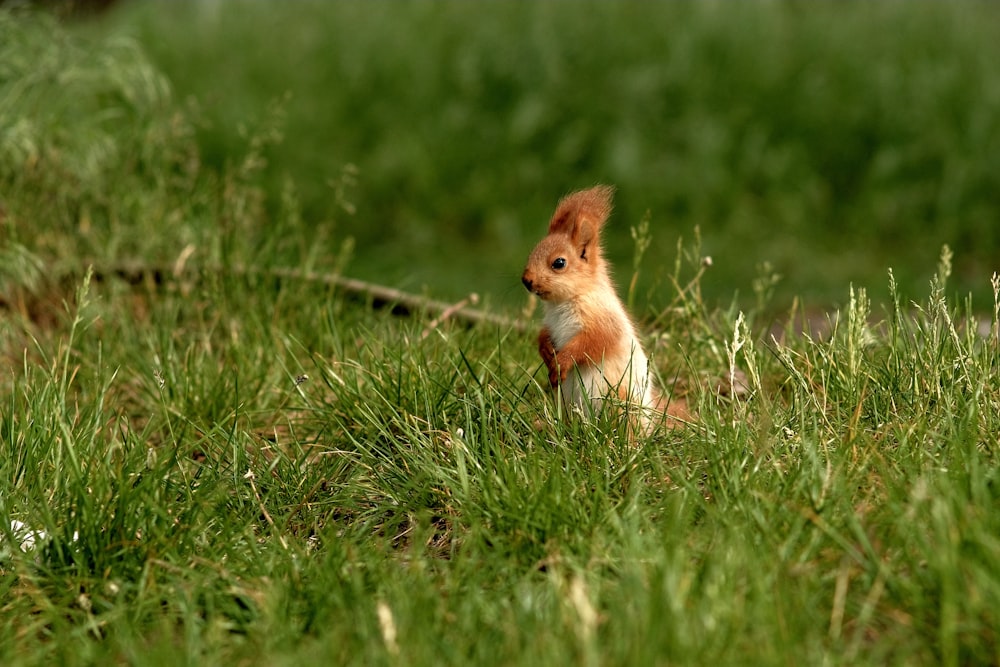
(588, 342)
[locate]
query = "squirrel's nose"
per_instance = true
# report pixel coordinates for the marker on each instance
(527, 282)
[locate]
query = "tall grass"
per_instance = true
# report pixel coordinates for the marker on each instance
(101, 163)
(233, 469)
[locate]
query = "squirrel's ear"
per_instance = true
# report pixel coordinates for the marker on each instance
(581, 214)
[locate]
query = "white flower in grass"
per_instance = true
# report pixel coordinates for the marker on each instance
(28, 536)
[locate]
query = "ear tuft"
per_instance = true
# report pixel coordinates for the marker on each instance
(583, 213)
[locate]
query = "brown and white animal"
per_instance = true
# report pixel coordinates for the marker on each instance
(588, 341)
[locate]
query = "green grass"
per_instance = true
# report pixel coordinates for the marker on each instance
(235, 469)
(829, 142)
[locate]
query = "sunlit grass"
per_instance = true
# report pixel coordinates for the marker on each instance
(219, 467)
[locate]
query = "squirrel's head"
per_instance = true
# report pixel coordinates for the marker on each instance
(568, 261)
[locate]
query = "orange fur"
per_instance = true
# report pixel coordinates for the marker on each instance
(588, 342)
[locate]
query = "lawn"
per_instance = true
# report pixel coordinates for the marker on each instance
(212, 452)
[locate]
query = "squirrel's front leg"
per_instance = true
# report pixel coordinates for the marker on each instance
(547, 350)
(577, 351)
(586, 348)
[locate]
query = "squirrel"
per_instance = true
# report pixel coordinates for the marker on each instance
(588, 341)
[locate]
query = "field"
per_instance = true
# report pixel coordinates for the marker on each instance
(213, 453)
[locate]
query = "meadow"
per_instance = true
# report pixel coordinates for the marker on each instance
(820, 145)
(212, 454)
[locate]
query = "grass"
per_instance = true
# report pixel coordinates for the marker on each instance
(827, 144)
(230, 468)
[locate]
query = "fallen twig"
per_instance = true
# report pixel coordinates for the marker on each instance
(381, 296)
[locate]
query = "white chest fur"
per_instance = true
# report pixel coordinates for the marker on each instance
(621, 369)
(563, 322)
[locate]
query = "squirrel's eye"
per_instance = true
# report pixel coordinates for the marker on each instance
(559, 264)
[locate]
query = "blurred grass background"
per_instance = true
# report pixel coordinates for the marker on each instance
(828, 141)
